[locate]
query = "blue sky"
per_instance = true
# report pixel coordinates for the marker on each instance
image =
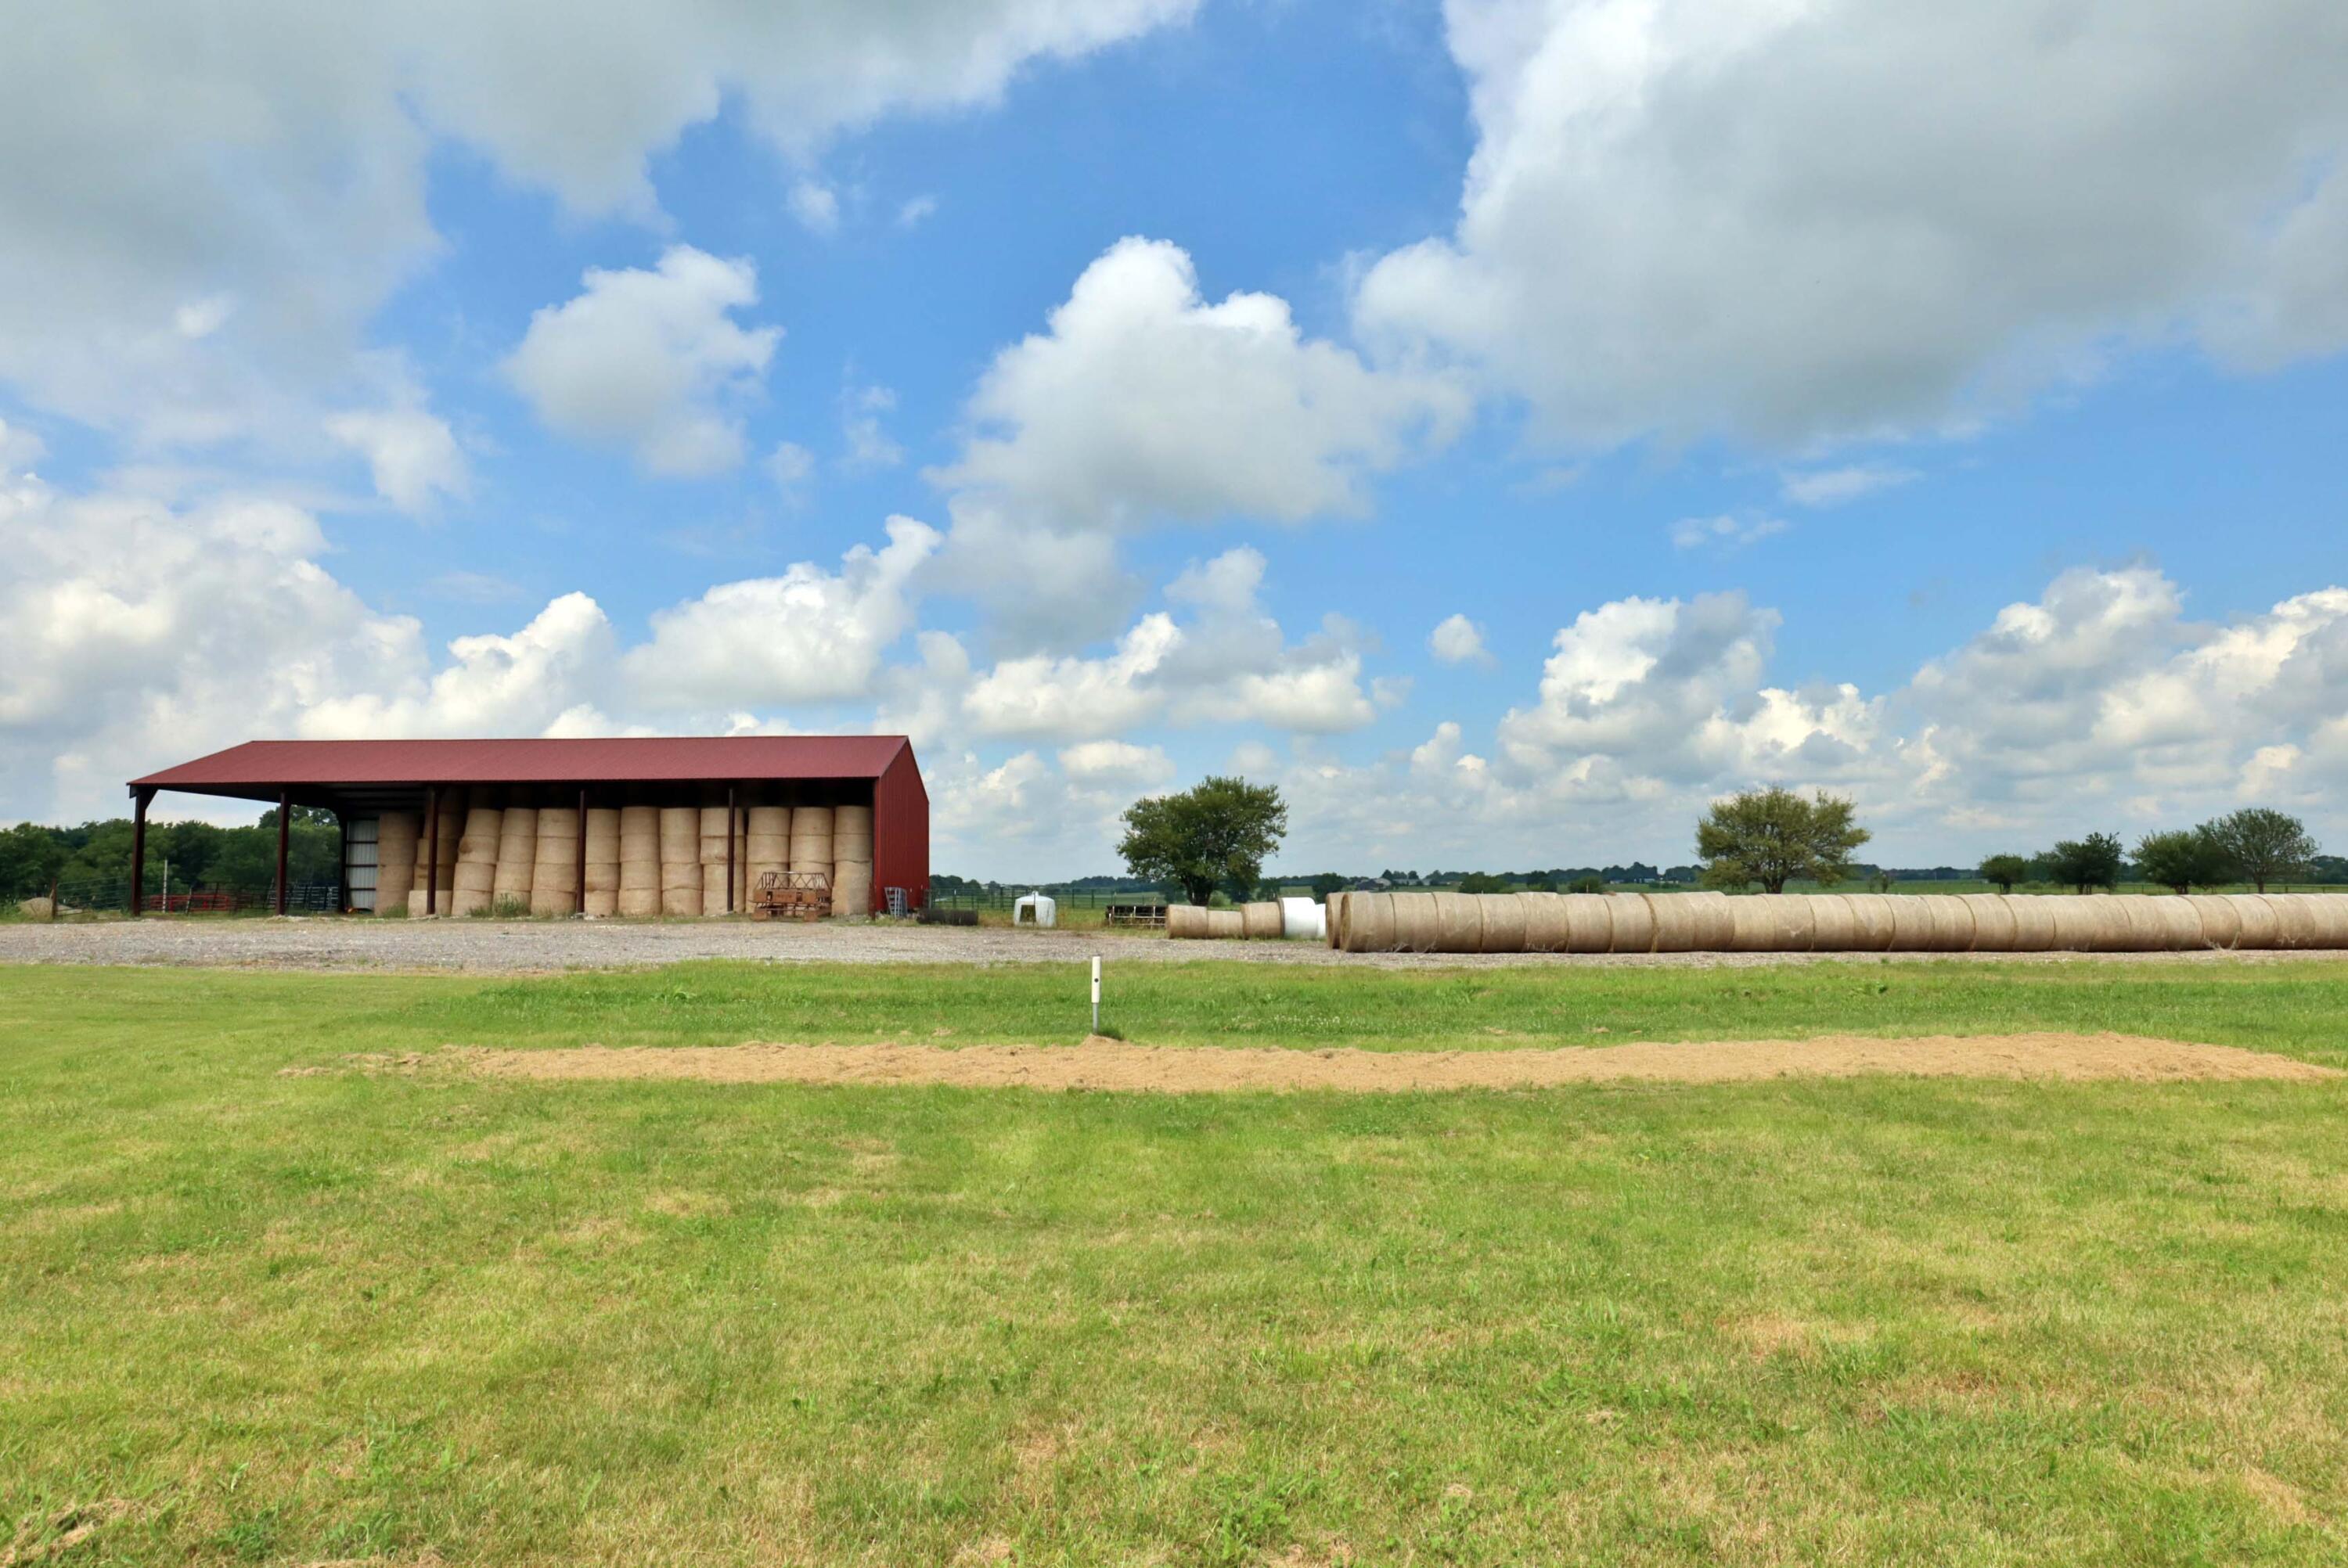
(1943, 410)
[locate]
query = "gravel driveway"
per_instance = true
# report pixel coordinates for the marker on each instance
(525, 946)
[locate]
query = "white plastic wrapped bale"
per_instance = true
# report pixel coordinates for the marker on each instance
(1303, 917)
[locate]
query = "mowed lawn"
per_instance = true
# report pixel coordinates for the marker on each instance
(418, 1317)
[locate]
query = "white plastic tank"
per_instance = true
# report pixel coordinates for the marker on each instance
(1303, 918)
(1036, 909)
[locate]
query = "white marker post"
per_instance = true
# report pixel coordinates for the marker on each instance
(1096, 993)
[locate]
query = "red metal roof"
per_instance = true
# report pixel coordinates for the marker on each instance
(636, 759)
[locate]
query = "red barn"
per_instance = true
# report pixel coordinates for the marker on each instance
(360, 780)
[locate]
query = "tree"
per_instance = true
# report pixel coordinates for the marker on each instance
(2182, 860)
(2262, 844)
(1772, 835)
(1586, 884)
(1328, 882)
(2005, 870)
(1217, 835)
(1485, 882)
(2084, 862)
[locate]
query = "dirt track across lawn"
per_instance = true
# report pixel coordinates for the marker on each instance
(1116, 1065)
(541, 946)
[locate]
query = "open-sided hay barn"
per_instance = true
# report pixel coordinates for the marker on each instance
(453, 826)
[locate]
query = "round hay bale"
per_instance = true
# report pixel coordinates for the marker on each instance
(637, 903)
(768, 846)
(2332, 919)
(1833, 929)
(2147, 931)
(601, 904)
(681, 901)
(2180, 922)
(858, 850)
(853, 819)
(1675, 922)
(1791, 921)
(1952, 923)
(2295, 923)
(1911, 922)
(1630, 922)
(1871, 923)
(1369, 923)
(1591, 921)
(717, 822)
(1458, 923)
(676, 875)
(851, 896)
(2070, 924)
(816, 820)
(1226, 925)
(1414, 926)
(768, 821)
(1753, 929)
(640, 876)
(39, 908)
(680, 832)
(604, 876)
(478, 846)
(558, 833)
(712, 890)
(604, 828)
(2221, 923)
(1504, 923)
(1258, 922)
(640, 832)
(2033, 922)
(1992, 922)
(476, 878)
(2255, 927)
(1547, 927)
(808, 865)
(1331, 933)
(468, 901)
(1186, 922)
(546, 901)
(1715, 922)
(2108, 927)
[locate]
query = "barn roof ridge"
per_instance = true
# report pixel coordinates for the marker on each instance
(614, 759)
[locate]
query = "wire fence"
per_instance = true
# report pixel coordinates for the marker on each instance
(104, 895)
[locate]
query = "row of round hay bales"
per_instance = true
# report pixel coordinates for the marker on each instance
(851, 861)
(448, 822)
(1829, 923)
(554, 873)
(1249, 922)
(396, 836)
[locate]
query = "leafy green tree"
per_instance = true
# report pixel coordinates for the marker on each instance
(1485, 882)
(2262, 844)
(1216, 835)
(2084, 862)
(1773, 835)
(1542, 882)
(1329, 882)
(1586, 884)
(30, 858)
(2182, 860)
(2005, 870)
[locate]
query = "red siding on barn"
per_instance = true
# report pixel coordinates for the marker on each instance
(900, 831)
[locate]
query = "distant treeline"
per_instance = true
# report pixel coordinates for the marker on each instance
(34, 858)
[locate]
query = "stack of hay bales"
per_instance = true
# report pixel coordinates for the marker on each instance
(517, 858)
(811, 846)
(422, 899)
(554, 879)
(721, 845)
(1195, 922)
(766, 842)
(851, 860)
(601, 896)
(477, 860)
(680, 860)
(640, 861)
(1708, 922)
(395, 835)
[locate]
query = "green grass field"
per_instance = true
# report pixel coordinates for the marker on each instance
(249, 1317)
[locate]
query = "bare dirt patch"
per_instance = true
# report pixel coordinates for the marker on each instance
(1117, 1065)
